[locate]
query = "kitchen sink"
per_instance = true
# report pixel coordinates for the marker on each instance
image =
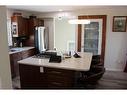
(12, 50)
(16, 49)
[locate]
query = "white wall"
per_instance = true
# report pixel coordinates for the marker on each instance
(64, 33)
(0, 84)
(24, 13)
(116, 42)
(49, 24)
(5, 73)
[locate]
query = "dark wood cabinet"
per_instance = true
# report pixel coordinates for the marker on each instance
(40, 22)
(19, 26)
(25, 27)
(59, 78)
(15, 57)
(14, 65)
(125, 70)
(32, 23)
(31, 77)
(28, 53)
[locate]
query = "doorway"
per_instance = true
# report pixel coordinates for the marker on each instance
(92, 36)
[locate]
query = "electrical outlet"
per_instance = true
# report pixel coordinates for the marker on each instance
(41, 70)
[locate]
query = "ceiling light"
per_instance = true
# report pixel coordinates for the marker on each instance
(60, 10)
(78, 21)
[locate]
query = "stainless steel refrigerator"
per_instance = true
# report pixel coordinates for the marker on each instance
(41, 39)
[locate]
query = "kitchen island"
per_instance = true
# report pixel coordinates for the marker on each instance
(40, 73)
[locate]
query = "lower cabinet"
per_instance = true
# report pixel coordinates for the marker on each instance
(125, 70)
(32, 78)
(14, 65)
(59, 78)
(15, 57)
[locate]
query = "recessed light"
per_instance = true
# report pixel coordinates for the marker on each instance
(60, 10)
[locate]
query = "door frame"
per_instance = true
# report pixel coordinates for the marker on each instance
(104, 18)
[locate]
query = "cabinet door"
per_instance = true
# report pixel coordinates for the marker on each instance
(125, 70)
(16, 58)
(13, 74)
(28, 53)
(30, 77)
(59, 78)
(24, 27)
(14, 65)
(32, 23)
(19, 56)
(14, 22)
(40, 22)
(19, 26)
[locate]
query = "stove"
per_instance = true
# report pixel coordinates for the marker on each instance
(45, 55)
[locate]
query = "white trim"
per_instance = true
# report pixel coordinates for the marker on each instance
(110, 69)
(70, 42)
(54, 32)
(100, 35)
(0, 84)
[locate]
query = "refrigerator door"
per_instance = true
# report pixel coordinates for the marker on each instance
(41, 39)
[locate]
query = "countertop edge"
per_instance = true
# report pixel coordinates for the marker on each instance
(25, 49)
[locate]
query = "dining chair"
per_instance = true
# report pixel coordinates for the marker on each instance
(90, 78)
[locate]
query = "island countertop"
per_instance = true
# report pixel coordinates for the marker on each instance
(77, 64)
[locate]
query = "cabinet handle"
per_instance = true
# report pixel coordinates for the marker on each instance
(56, 72)
(56, 83)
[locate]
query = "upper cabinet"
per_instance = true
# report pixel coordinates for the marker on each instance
(19, 26)
(32, 23)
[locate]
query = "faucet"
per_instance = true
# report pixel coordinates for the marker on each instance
(21, 44)
(15, 44)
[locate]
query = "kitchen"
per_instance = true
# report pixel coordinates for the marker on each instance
(21, 39)
(24, 43)
(31, 37)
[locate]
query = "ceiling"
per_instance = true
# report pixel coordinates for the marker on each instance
(57, 8)
(46, 8)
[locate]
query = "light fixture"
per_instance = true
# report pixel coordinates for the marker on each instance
(60, 10)
(79, 21)
(62, 15)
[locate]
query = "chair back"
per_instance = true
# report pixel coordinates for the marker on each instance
(92, 76)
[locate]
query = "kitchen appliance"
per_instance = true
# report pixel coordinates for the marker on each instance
(41, 39)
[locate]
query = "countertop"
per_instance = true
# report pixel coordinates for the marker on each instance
(78, 64)
(20, 49)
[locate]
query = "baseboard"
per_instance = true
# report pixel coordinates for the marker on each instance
(110, 69)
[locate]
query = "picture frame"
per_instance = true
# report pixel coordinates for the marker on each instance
(119, 23)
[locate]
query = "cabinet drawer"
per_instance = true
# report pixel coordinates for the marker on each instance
(55, 78)
(58, 72)
(59, 82)
(25, 54)
(59, 78)
(58, 85)
(28, 53)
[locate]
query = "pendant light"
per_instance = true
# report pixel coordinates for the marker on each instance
(79, 21)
